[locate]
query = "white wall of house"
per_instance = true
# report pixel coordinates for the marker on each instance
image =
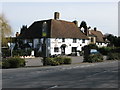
(57, 42)
(51, 43)
(35, 43)
(101, 44)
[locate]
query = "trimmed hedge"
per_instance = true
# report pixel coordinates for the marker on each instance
(94, 58)
(60, 60)
(13, 62)
(57, 61)
(113, 56)
(67, 60)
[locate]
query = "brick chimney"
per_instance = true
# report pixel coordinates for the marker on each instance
(56, 15)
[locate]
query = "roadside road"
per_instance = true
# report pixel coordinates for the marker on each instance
(85, 75)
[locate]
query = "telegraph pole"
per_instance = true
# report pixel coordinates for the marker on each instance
(0, 41)
(44, 50)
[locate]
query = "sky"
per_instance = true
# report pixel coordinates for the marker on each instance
(103, 15)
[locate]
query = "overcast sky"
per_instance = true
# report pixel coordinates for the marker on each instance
(103, 15)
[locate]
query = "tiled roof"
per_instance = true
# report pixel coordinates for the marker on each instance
(56, 29)
(99, 35)
(64, 29)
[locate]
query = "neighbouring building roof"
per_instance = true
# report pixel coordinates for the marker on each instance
(100, 37)
(55, 29)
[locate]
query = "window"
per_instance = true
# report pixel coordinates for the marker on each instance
(92, 40)
(63, 39)
(83, 40)
(56, 49)
(74, 40)
(74, 49)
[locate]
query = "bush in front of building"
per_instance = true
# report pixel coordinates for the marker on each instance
(6, 53)
(92, 46)
(113, 56)
(60, 60)
(57, 61)
(92, 58)
(105, 50)
(13, 62)
(67, 60)
(22, 52)
(50, 61)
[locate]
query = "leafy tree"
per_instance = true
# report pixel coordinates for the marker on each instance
(92, 46)
(114, 40)
(84, 25)
(5, 28)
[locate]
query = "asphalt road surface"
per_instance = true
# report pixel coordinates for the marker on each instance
(98, 75)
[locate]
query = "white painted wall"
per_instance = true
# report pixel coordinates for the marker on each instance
(57, 42)
(35, 43)
(101, 44)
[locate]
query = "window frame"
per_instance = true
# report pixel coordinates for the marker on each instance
(56, 49)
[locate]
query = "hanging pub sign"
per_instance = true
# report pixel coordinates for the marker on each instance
(44, 29)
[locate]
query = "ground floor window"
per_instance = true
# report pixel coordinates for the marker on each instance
(83, 40)
(74, 49)
(56, 49)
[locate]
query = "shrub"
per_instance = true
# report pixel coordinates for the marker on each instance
(54, 63)
(57, 61)
(5, 64)
(67, 60)
(92, 46)
(114, 56)
(50, 61)
(47, 61)
(22, 52)
(105, 50)
(60, 60)
(5, 53)
(13, 62)
(94, 58)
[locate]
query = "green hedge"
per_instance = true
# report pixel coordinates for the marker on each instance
(6, 53)
(94, 58)
(113, 56)
(21, 52)
(67, 60)
(13, 62)
(106, 50)
(57, 61)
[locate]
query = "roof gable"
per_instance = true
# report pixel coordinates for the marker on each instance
(99, 35)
